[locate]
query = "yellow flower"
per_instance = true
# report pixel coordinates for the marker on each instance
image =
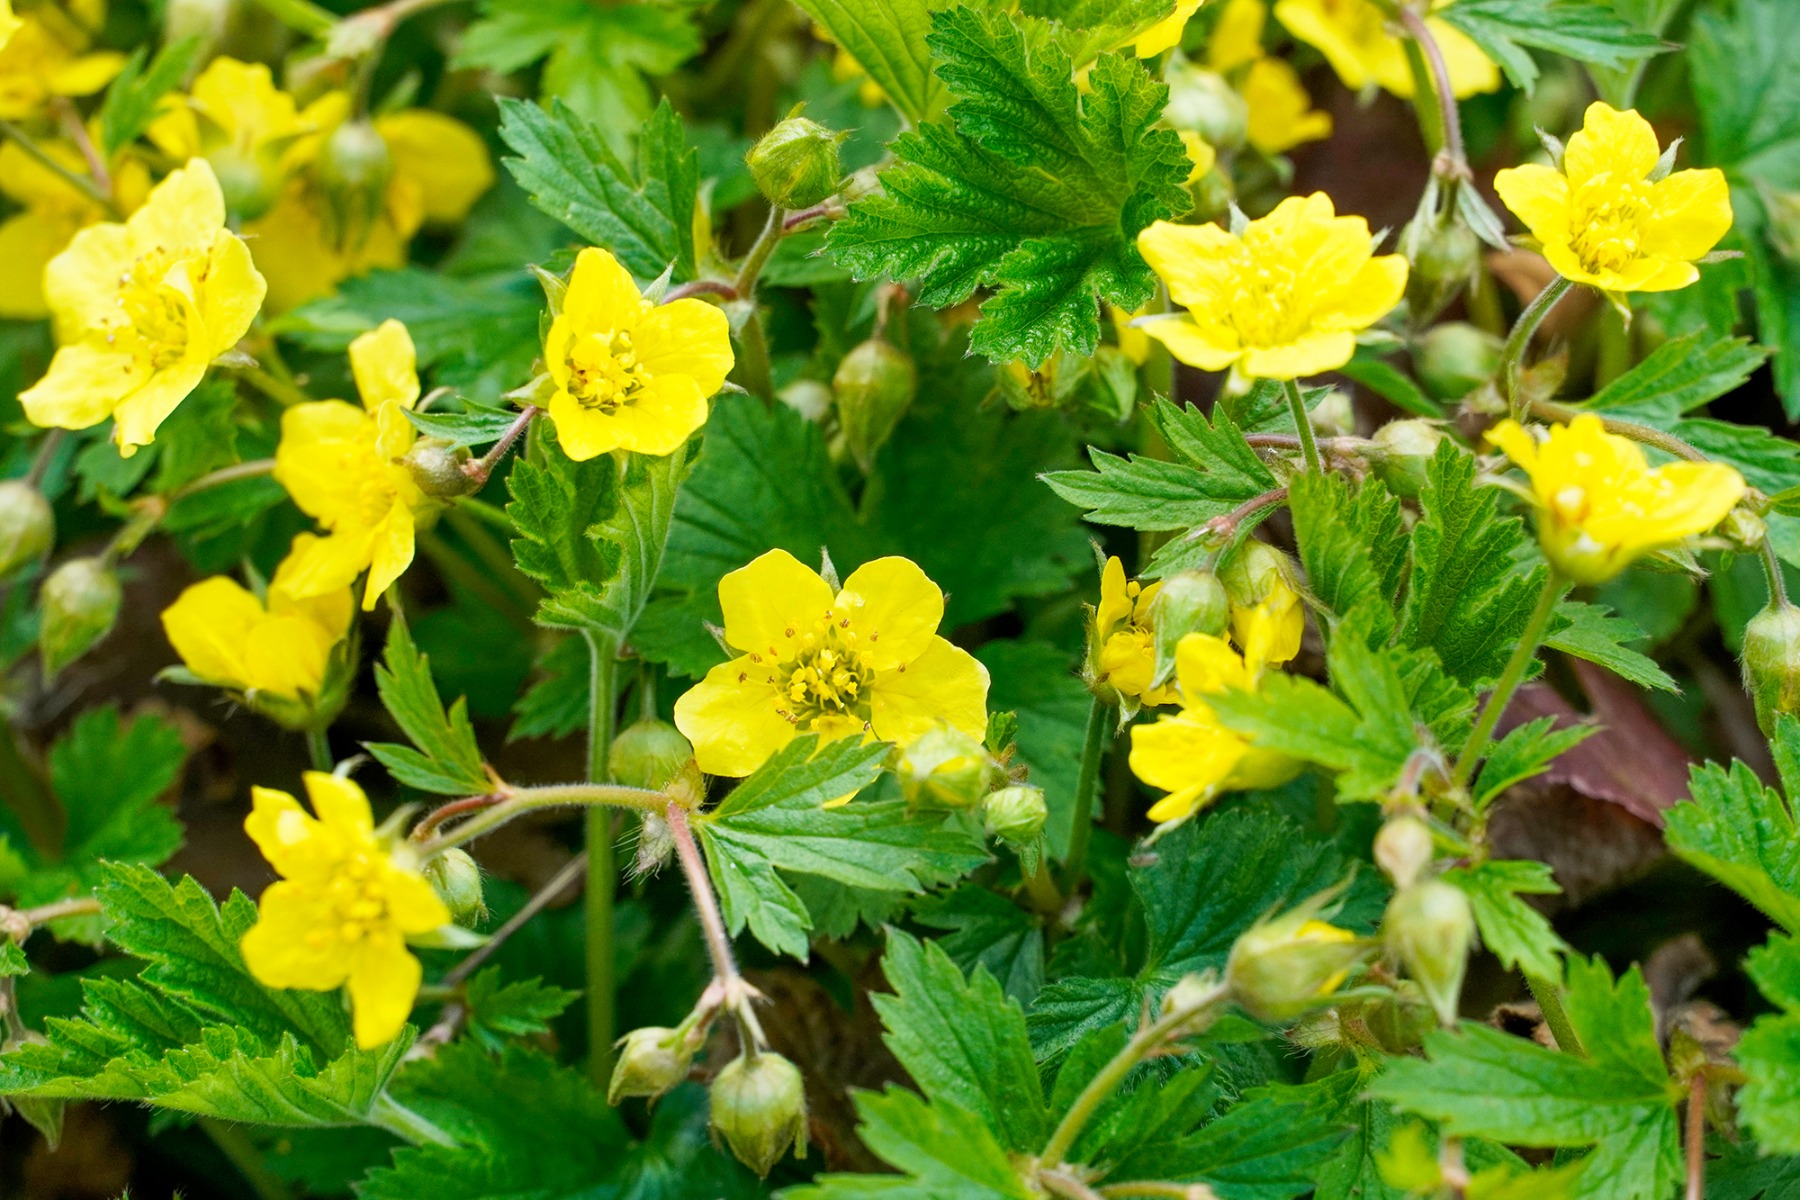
(1281, 113)
(51, 211)
(1199, 152)
(1604, 221)
(1166, 33)
(44, 58)
(1601, 505)
(1126, 638)
(1270, 630)
(1355, 38)
(1282, 300)
(630, 375)
(864, 661)
(142, 308)
(228, 636)
(1237, 37)
(341, 464)
(343, 908)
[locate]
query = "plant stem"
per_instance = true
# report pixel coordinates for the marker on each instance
(403, 1122)
(484, 466)
(1550, 1004)
(1303, 425)
(602, 870)
(518, 801)
(1065, 1185)
(729, 982)
(700, 287)
(76, 131)
(493, 514)
(243, 1154)
(81, 183)
(1696, 1137)
(753, 263)
(1512, 354)
(1454, 167)
(302, 15)
(1093, 749)
(754, 365)
(1778, 596)
(1510, 677)
(282, 391)
(40, 462)
(318, 746)
(244, 470)
(30, 918)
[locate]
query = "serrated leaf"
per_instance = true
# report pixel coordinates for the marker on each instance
(107, 776)
(1526, 751)
(1353, 545)
(476, 425)
(1680, 375)
(887, 39)
(522, 1008)
(131, 102)
(1769, 1051)
(1584, 30)
(1517, 934)
(448, 760)
(986, 930)
(556, 704)
(1592, 632)
(12, 960)
(1742, 833)
(942, 1151)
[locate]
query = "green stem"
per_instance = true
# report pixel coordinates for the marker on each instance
(753, 366)
(1093, 749)
(1668, 443)
(1512, 354)
(1510, 677)
(602, 870)
(493, 514)
(1452, 166)
(245, 470)
(753, 263)
(282, 391)
(519, 801)
(1778, 596)
(318, 747)
(403, 1122)
(1550, 1003)
(81, 183)
(1309, 448)
(243, 1154)
(40, 462)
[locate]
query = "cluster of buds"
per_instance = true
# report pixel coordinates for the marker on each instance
(1429, 926)
(946, 769)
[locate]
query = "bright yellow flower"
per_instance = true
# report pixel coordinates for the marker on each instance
(630, 375)
(1281, 113)
(866, 660)
(343, 908)
(1237, 37)
(1601, 505)
(1270, 630)
(142, 308)
(1283, 300)
(1199, 153)
(45, 57)
(228, 636)
(1126, 637)
(1356, 39)
(1603, 221)
(341, 464)
(51, 211)
(1166, 33)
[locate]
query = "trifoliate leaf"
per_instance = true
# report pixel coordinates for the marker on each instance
(1516, 933)
(1585, 30)
(448, 760)
(1742, 833)
(887, 39)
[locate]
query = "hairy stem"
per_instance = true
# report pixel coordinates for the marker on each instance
(1696, 1137)
(40, 462)
(245, 470)
(602, 870)
(238, 1149)
(282, 391)
(1510, 677)
(726, 976)
(754, 364)
(1668, 443)
(1453, 166)
(1771, 562)
(1512, 354)
(519, 801)
(1093, 749)
(1549, 1002)
(482, 467)
(1309, 448)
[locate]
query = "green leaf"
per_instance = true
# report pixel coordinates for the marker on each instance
(131, 102)
(1516, 933)
(1036, 192)
(1587, 31)
(989, 931)
(199, 436)
(1390, 383)
(475, 425)
(522, 1008)
(1769, 1051)
(1617, 1098)
(1742, 833)
(12, 960)
(1036, 681)
(644, 216)
(941, 1150)
(108, 775)
(556, 703)
(1593, 633)
(1739, 1171)
(448, 760)
(1525, 752)
(1679, 376)
(887, 39)
(1353, 546)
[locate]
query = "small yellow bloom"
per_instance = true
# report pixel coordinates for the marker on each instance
(51, 211)
(142, 308)
(1200, 153)
(1602, 220)
(343, 908)
(342, 466)
(1270, 630)
(46, 57)
(1281, 113)
(1127, 640)
(1283, 300)
(1237, 38)
(630, 375)
(1166, 33)
(1601, 505)
(1355, 38)
(866, 660)
(228, 636)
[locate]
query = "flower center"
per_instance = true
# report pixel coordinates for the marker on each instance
(355, 904)
(154, 308)
(604, 372)
(1608, 217)
(1264, 306)
(827, 677)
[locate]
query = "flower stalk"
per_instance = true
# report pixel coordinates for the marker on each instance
(1309, 446)
(1512, 354)
(1510, 677)
(602, 868)
(1093, 750)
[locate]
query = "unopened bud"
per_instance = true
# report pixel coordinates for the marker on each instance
(1743, 529)
(875, 385)
(647, 754)
(353, 170)
(439, 468)
(1783, 210)
(27, 526)
(1455, 358)
(1204, 102)
(456, 878)
(1443, 257)
(1771, 659)
(80, 602)
(1282, 967)
(945, 768)
(1430, 927)
(651, 1061)
(1404, 848)
(1401, 453)
(795, 165)
(1191, 993)
(1188, 602)
(1252, 574)
(1015, 814)
(759, 1108)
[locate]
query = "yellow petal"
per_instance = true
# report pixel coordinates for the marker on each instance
(327, 447)
(662, 416)
(391, 552)
(384, 982)
(209, 625)
(1471, 71)
(330, 611)
(232, 297)
(1115, 599)
(894, 611)
(1372, 292)
(1183, 256)
(601, 295)
(1539, 197)
(186, 211)
(293, 842)
(1611, 142)
(686, 337)
(86, 74)
(85, 382)
(772, 601)
(413, 905)
(582, 432)
(732, 718)
(1187, 758)
(1166, 33)
(385, 366)
(945, 683)
(1311, 354)
(1281, 113)
(1691, 211)
(1210, 349)
(1237, 37)
(284, 655)
(330, 564)
(281, 949)
(81, 284)
(446, 159)
(1207, 665)
(1308, 21)
(141, 413)
(339, 803)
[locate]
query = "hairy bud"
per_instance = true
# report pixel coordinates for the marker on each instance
(1429, 926)
(647, 754)
(1455, 358)
(438, 467)
(1404, 848)
(875, 385)
(1015, 814)
(945, 768)
(1771, 659)
(353, 169)
(456, 878)
(759, 1108)
(27, 526)
(80, 602)
(1252, 574)
(651, 1061)
(795, 165)
(1280, 968)
(1188, 602)
(1402, 450)
(1443, 256)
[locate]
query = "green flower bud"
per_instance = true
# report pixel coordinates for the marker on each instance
(1281, 967)
(875, 385)
(27, 526)
(1429, 926)
(1015, 814)
(353, 171)
(1189, 602)
(1254, 572)
(1443, 258)
(1743, 529)
(795, 165)
(1404, 848)
(759, 1108)
(1455, 358)
(456, 878)
(1202, 100)
(945, 768)
(1401, 453)
(651, 1061)
(648, 754)
(440, 468)
(1771, 658)
(80, 602)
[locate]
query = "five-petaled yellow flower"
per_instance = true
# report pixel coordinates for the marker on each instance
(866, 660)
(1601, 505)
(1356, 39)
(142, 308)
(629, 374)
(343, 908)
(279, 645)
(342, 466)
(1282, 300)
(1127, 640)
(1602, 219)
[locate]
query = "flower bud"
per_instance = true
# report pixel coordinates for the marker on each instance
(1404, 848)
(795, 165)
(439, 468)
(456, 878)
(1443, 258)
(353, 170)
(1743, 529)
(1429, 926)
(80, 602)
(875, 385)
(1191, 993)
(1280, 968)
(647, 754)
(1402, 452)
(759, 1108)
(1771, 658)
(1252, 574)
(1189, 602)
(651, 1061)
(1455, 358)
(27, 526)
(1202, 101)
(1015, 814)
(945, 768)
